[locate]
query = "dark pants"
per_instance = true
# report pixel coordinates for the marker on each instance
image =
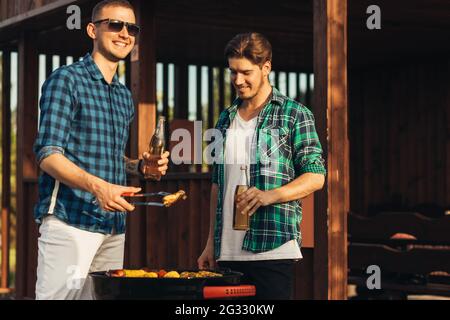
(273, 278)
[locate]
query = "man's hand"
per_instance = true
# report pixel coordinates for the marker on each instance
(148, 164)
(109, 196)
(206, 260)
(250, 200)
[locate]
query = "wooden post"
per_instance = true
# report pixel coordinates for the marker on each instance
(330, 105)
(27, 115)
(143, 87)
(143, 77)
(6, 166)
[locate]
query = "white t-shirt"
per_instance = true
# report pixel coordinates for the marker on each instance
(237, 147)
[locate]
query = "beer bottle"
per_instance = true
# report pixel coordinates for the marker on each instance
(156, 148)
(241, 221)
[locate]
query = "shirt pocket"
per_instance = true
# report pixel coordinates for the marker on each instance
(273, 143)
(275, 152)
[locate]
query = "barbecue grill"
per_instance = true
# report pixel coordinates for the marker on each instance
(125, 288)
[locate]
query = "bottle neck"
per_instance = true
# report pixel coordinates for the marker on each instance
(160, 128)
(244, 177)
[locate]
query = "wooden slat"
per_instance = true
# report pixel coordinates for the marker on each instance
(181, 109)
(27, 112)
(182, 242)
(6, 167)
(172, 233)
(31, 192)
(205, 187)
(194, 238)
(447, 144)
(166, 90)
(48, 65)
(210, 97)
(221, 89)
(308, 92)
(158, 227)
(441, 140)
(198, 93)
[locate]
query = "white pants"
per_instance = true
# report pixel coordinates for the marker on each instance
(67, 254)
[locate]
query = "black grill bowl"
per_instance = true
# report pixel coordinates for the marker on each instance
(122, 288)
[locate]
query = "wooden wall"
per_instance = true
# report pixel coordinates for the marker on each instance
(399, 136)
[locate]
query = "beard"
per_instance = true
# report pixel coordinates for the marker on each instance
(253, 94)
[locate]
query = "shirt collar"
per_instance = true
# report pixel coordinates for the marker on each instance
(95, 72)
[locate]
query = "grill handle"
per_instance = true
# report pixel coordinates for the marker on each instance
(228, 291)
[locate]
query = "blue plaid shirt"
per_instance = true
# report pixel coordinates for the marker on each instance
(87, 120)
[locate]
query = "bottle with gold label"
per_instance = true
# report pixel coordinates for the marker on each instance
(241, 220)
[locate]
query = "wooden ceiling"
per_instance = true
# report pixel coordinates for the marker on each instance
(196, 31)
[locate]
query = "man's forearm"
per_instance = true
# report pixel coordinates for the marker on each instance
(297, 189)
(68, 173)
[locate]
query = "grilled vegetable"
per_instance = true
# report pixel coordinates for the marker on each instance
(172, 274)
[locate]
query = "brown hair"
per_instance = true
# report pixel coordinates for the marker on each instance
(252, 46)
(106, 3)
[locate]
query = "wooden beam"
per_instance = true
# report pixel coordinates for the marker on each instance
(6, 166)
(330, 105)
(46, 9)
(27, 115)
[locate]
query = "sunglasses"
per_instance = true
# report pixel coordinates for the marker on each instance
(117, 26)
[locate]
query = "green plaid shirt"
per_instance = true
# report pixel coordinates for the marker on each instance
(286, 146)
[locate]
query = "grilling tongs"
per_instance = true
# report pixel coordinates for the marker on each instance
(181, 195)
(149, 194)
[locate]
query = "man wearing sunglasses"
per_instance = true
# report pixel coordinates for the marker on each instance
(85, 117)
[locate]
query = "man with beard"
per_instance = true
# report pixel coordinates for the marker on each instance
(274, 139)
